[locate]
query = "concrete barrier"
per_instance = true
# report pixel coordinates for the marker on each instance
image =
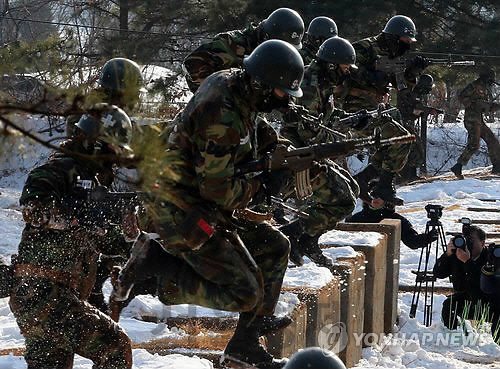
(392, 229)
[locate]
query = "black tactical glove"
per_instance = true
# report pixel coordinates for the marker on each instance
(271, 185)
(380, 79)
(361, 119)
(419, 62)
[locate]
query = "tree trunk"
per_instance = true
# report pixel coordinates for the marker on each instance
(124, 10)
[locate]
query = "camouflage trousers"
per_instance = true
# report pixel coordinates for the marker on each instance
(390, 158)
(334, 198)
(477, 130)
(234, 271)
(56, 324)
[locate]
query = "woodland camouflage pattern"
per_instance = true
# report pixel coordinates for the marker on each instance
(471, 97)
(410, 105)
(361, 91)
(334, 190)
(52, 313)
(216, 132)
(225, 51)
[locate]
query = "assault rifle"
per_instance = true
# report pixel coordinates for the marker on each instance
(428, 109)
(397, 66)
(97, 206)
(350, 121)
(302, 159)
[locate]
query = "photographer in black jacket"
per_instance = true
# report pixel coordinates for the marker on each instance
(464, 266)
(378, 209)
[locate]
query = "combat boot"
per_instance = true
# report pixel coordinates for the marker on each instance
(293, 231)
(301, 244)
(457, 170)
(147, 260)
(363, 178)
(495, 169)
(244, 346)
(385, 189)
(310, 248)
(272, 323)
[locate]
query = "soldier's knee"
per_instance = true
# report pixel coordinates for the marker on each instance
(119, 355)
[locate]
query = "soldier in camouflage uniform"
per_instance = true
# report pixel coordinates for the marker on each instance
(412, 106)
(228, 49)
(369, 87)
(55, 268)
(213, 259)
(319, 30)
(334, 190)
(477, 99)
(120, 84)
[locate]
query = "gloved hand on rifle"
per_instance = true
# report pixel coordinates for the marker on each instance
(416, 67)
(380, 79)
(360, 119)
(419, 62)
(271, 185)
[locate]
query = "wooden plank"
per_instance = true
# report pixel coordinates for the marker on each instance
(437, 289)
(490, 210)
(484, 221)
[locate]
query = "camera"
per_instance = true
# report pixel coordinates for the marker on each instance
(490, 273)
(463, 240)
(434, 212)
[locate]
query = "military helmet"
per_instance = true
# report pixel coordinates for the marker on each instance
(401, 26)
(425, 82)
(337, 50)
(314, 357)
(487, 74)
(277, 64)
(121, 76)
(285, 24)
(322, 27)
(107, 123)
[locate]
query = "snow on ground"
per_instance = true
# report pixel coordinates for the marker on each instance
(413, 346)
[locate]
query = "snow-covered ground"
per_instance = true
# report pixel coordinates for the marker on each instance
(414, 346)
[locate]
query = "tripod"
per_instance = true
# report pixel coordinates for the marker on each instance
(427, 276)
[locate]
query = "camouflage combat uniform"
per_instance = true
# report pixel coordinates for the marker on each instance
(334, 190)
(241, 267)
(225, 51)
(361, 92)
(411, 106)
(471, 97)
(54, 273)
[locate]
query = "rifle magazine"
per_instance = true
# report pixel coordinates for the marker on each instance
(303, 188)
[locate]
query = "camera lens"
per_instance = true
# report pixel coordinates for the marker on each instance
(496, 252)
(459, 242)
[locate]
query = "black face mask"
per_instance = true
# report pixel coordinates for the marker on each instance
(266, 99)
(403, 47)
